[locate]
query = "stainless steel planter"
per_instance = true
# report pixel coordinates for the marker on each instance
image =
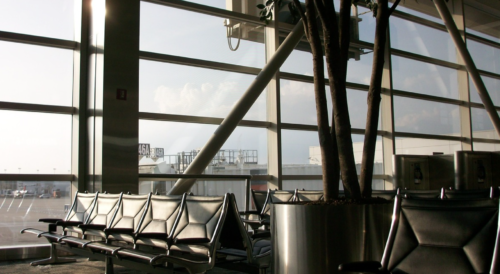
(317, 238)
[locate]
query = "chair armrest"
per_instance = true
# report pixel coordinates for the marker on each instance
(109, 231)
(152, 235)
(261, 235)
(192, 241)
(92, 226)
(249, 212)
(50, 220)
(366, 266)
(68, 223)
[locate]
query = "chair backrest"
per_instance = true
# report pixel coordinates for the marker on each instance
(441, 236)
(200, 224)
(104, 209)
(386, 194)
(422, 194)
(160, 217)
(83, 204)
(308, 195)
(259, 199)
(469, 193)
(128, 215)
(235, 236)
(277, 196)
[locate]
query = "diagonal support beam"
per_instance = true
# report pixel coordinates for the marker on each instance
(228, 125)
(469, 63)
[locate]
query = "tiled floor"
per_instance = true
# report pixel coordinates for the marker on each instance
(82, 266)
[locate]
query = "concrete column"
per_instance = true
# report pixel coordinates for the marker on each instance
(113, 99)
(273, 112)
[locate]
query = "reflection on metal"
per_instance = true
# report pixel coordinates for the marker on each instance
(316, 239)
(469, 63)
(423, 172)
(477, 169)
(228, 125)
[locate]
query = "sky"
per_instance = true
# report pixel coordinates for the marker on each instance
(40, 143)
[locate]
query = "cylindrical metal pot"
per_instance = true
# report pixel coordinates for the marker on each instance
(317, 238)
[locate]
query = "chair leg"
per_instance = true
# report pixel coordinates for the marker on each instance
(109, 266)
(53, 259)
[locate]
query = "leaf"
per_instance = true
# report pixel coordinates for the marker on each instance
(261, 6)
(269, 2)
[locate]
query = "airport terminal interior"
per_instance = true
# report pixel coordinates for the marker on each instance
(123, 96)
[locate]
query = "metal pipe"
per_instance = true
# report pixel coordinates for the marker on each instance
(469, 63)
(228, 125)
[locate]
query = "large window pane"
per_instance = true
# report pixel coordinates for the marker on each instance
(358, 71)
(244, 151)
(486, 147)
(415, 38)
(419, 116)
(366, 25)
(416, 146)
(424, 78)
(34, 74)
(484, 56)
(302, 155)
(172, 89)
(53, 18)
(298, 104)
(304, 184)
(295, 150)
(23, 211)
(35, 143)
(298, 62)
(198, 36)
(481, 124)
(425, 10)
(493, 87)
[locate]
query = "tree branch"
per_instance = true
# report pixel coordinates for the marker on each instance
(393, 7)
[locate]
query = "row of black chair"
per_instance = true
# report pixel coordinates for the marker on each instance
(155, 233)
(439, 236)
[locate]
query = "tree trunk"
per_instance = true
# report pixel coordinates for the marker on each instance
(373, 100)
(328, 155)
(336, 39)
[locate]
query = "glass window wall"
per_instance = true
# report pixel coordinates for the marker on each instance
(419, 39)
(199, 36)
(420, 116)
(172, 89)
(22, 203)
(245, 149)
(54, 18)
(424, 78)
(35, 143)
(35, 75)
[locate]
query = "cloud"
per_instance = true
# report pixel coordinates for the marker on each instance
(206, 99)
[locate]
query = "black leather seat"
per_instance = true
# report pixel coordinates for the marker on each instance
(470, 193)
(437, 236)
(235, 242)
(308, 195)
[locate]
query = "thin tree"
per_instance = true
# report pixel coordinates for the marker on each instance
(336, 142)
